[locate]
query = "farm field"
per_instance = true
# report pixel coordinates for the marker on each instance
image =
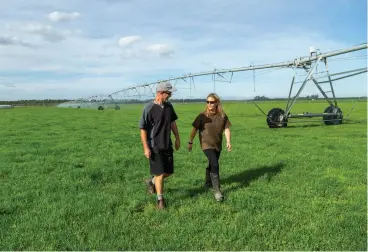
(72, 179)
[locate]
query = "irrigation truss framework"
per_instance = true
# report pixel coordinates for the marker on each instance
(331, 115)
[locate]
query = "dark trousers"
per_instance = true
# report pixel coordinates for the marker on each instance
(213, 157)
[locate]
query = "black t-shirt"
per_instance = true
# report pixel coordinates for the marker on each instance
(156, 120)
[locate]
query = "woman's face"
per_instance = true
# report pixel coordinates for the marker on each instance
(211, 103)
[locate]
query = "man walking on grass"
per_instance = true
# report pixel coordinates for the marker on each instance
(157, 122)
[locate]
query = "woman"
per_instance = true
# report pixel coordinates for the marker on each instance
(211, 124)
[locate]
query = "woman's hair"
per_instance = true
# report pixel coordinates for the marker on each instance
(219, 108)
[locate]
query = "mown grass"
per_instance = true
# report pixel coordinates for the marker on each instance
(72, 179)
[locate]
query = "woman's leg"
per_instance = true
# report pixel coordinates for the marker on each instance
(208, 183)
(213, 158)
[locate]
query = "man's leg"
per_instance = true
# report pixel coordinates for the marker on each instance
(159, 186)
(157, 172)
(168, 168)
(159, 183)
(150, 185)
(150, 182)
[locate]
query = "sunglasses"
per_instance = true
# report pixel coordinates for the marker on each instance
(168, 93)
(210, 102)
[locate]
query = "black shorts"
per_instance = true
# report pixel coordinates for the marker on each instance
(162, 162)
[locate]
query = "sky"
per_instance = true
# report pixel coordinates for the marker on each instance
(64, 49)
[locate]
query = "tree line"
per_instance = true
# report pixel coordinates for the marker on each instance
(55, 102)
(46, 102)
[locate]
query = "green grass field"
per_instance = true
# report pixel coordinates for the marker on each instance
(72, 179)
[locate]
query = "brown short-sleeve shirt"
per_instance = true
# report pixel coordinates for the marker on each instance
(210, 129)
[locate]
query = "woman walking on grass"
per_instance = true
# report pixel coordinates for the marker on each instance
(211, 124)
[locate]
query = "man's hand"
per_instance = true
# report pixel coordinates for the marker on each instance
(177, 144)
(228, 146)
(147, 152)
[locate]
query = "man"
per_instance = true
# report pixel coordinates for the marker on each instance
(157, 122)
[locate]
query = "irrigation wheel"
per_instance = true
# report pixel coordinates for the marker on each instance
(335, 119)
(276, 118)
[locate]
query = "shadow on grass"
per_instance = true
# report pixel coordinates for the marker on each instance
(306, 125)
(310, 124)
(244, 178)
(348, 121)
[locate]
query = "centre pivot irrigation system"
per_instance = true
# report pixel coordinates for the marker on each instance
(276, 117)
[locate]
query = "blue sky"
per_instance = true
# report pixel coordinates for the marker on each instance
(53, 49)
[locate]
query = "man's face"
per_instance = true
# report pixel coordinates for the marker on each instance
(165, 95)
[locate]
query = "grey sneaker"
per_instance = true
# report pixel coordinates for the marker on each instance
(150, 186)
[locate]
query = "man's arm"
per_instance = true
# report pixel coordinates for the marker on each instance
(143, 125)
(144, 138)
(147, 151)
(175, 130)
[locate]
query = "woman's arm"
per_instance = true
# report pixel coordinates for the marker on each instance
(228, 138)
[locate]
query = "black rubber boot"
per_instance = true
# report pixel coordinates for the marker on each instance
(207, 183)
(215, 178)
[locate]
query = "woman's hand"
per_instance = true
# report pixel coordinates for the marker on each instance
(228, 146)
(190, 145)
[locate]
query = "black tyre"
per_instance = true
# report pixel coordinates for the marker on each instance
(100, 108)
(276, 118)
(335, 119)
(117, 107)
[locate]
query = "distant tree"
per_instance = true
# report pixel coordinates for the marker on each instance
(261, 98)
(314, 96)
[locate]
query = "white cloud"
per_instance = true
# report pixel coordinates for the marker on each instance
(6, 40)
(62, 16)
(129, 40)
(48, 32)
(161, 49)
(139, 51)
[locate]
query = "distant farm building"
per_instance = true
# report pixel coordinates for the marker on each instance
(6, 106)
